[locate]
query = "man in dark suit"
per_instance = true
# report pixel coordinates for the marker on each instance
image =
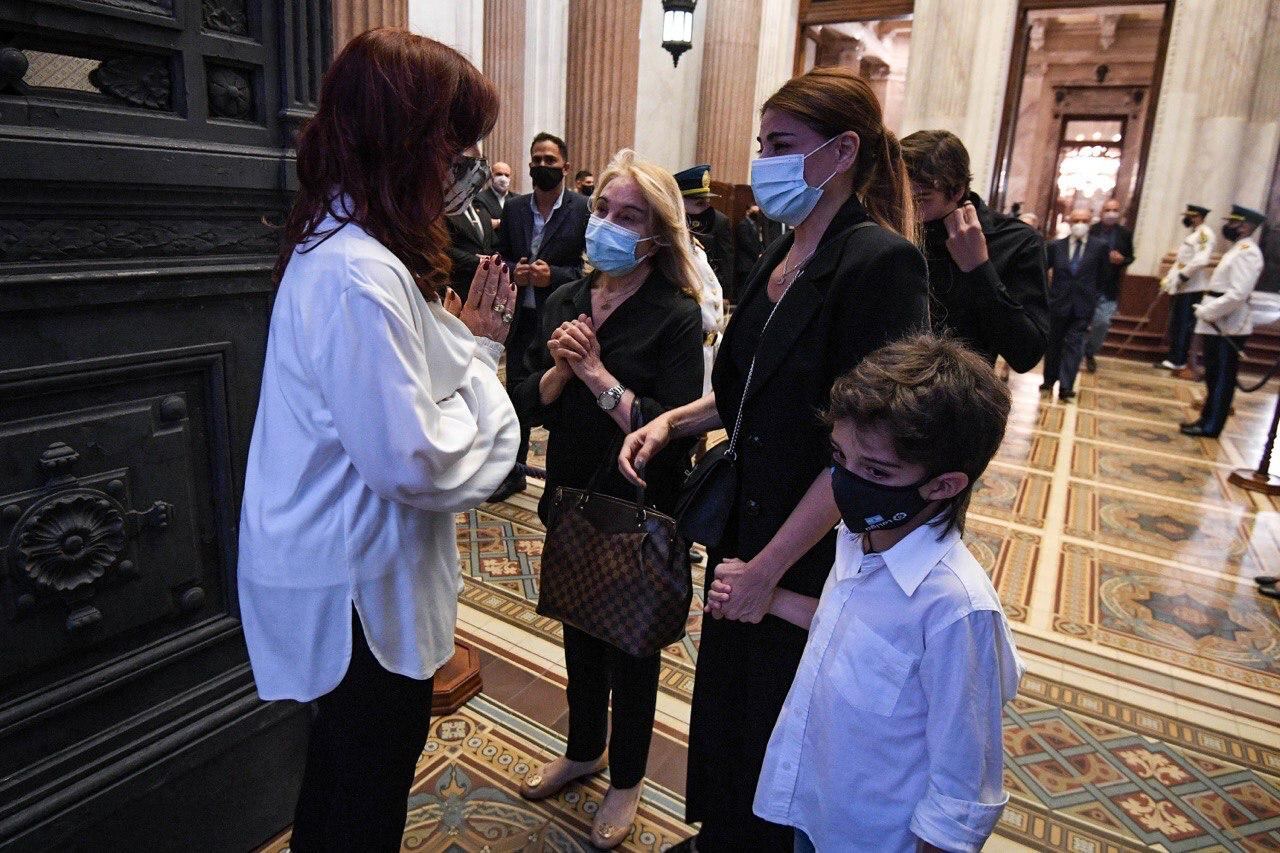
(495, 196)
(709, 225)
(1119, 241)
(470, 241)
(541, 237)
(1077, 266)
(754, 234)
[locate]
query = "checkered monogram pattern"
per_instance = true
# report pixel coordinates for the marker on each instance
(616, 571)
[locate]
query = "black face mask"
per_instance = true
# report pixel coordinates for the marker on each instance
(1187, 221)
(1231, 231)
(865, 505)
(702, 223)
(546, 177)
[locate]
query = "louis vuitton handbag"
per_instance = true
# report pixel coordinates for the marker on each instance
(615, 569)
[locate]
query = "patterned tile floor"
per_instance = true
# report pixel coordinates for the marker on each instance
(1150, 717)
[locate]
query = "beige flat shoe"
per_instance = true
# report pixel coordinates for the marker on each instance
(616, 815)
(551, 778)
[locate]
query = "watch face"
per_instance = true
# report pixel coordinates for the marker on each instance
(609, 399)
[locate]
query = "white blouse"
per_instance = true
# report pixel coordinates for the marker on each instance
(381, 416)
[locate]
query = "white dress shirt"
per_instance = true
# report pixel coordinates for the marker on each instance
(380, 417)
(1233, 280)
(892, 728)
(529, 300)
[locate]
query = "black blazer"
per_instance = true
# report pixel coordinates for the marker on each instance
(464, 244)
(652, 344)
(563, 240)
(488, 199)
(1121, 239)
(862, 289)
(1000, 307)
(1076, 295)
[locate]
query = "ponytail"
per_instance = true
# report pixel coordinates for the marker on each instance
(886, 190)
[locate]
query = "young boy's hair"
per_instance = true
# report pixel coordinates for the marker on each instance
(941, 404)
(937, 159)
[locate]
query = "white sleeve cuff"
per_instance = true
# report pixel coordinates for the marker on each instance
(958, 825)
(489, 350)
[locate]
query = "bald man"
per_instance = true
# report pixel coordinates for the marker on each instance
(493, 198)
(1077, 268)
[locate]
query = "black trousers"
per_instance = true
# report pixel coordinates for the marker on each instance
(595, 669)
(1065, 350)
(1182, 323)
(1221, 365)
(523, 332)
(366, 737)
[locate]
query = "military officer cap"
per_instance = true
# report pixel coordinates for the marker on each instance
(1195, 210)
(695, 182)
(1240, 213)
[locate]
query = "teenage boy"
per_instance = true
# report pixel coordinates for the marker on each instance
(890, 738)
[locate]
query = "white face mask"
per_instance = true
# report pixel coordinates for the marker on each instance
(1079, 230)
(1110, 217)
(502, 183)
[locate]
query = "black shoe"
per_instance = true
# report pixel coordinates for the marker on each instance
(1090, 364)
(1046, 389)
(1198, 431)
(695, 557)
(1266, 580)
(513, 485)
(1190, 424)
(1269, 591)
(1067, 396)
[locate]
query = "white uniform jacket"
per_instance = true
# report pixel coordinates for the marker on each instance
(1236, 276)
(712, 306)
(1195, 253)
(380, 417)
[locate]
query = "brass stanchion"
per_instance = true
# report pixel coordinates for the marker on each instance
(1261, 480)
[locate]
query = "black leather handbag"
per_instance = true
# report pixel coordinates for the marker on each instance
(615, 569)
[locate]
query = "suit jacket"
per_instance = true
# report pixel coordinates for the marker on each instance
(563, 239)
(488, 199)
(1121, 239)
(862, 289)
(465, 243)
(719, 248)
(752, 238)
(1075, 294)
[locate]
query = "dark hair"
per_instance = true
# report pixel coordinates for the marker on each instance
(940, 402)
(395, 109)
(833, 100)
(938, 159)
(551, 137)
(583, 173)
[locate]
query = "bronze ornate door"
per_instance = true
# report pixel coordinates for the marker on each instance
(142, 143)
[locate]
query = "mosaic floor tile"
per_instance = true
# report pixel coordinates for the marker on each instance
(1010, 557)
(1130, 405)
(1012, 494)
(1155, 474)
(1212, 625)
(1155, 437)
(1029, 449)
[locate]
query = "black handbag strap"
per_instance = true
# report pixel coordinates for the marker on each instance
(615, 449)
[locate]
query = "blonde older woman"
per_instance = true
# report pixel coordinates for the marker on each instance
(627, 336)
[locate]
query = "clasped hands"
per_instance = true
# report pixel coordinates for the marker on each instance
(575, 349)
(740, 591)
(533, 274)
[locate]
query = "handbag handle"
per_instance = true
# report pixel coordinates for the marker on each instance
(615, 448)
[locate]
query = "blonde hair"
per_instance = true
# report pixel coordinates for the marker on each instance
(674, 256)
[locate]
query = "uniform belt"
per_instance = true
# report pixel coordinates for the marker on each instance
(710, 338)
(1213, 293)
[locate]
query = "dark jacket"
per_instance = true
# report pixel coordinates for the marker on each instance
(652, 344)
(563, 239)
(1121, 239)
(752, 236)
(1075, 294)
(862, 289)
(719, 248)
(465, 243)
(999, 308)
(488, 199)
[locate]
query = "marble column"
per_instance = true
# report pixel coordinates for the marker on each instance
(352, 17)
(504, 37)
(457, 23)
(667, 116)
(957, 74)
(1262, 135)
(600, 93)
(545, 72)
(726, 125)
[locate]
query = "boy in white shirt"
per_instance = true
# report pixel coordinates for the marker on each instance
(890, 738)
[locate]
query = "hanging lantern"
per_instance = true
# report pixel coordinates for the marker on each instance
(677, 27)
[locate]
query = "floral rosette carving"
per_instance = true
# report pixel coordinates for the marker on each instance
(70, 540)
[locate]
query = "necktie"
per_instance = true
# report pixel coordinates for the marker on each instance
(475, 222)
(1075, 257)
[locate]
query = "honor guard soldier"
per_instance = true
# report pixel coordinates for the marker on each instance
(1186, 281)
(1224, 319)
(709, 225)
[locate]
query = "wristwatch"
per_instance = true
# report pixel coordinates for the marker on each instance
(610, 398)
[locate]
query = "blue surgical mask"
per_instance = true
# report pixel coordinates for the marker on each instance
(612, 248)
(781, 190)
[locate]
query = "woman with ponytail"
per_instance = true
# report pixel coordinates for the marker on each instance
(846, 281)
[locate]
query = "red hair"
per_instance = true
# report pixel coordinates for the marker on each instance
(395, 109)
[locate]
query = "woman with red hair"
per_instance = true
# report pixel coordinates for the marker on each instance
(381, 416)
